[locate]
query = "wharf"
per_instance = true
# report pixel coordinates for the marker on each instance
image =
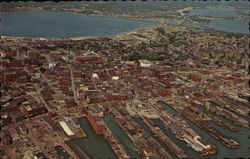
(117, 147)
(230, 143)
(75, 127)
(190, 137)
(78, 151)
(215, 119)
(79, 133)
(180, 153)
(228, 114)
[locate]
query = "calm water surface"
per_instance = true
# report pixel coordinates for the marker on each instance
(65, 24)
(94, 145)
(234, 26)
(223, 152)
(229, 26)
(150, 133)
(122, 137)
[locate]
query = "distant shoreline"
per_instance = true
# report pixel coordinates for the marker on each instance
(160, 21)
(101, 15)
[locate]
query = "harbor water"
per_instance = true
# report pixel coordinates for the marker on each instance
(65, 25)
(122, 137)
(223, 152)
(150, 133)
(103, 150)
(226, 25)
(229, 26)
(94, 145)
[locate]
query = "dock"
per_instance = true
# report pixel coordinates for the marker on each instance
(77, 150)
(180, 153)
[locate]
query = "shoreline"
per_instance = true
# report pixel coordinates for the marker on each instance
(160, 21)
(101, 15)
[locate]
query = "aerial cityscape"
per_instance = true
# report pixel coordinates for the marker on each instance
(124, 80)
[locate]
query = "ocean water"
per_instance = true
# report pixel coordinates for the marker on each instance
(229, 26)
(234, 26)
(65, 25)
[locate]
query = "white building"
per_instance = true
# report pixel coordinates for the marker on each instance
(52, 65)
(66, 128)
(95, 75)
(115, 77)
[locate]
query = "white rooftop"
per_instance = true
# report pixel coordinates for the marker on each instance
(66, 128)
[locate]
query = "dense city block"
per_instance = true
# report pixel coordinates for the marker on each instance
(154, 84)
